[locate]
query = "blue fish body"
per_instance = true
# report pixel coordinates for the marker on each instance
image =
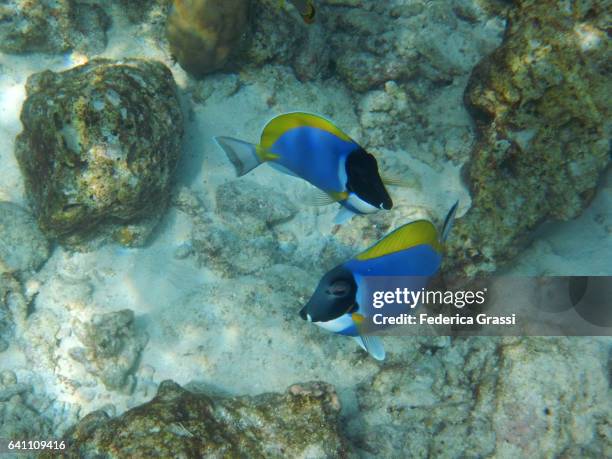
(312, 148)
(413, 267)
(419, 260)
(406, 258)
(315, 155)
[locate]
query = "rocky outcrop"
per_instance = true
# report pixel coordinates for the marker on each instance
(99, 148)
(18, 420)
(18, 230)
(484, 397)
(52, 26)
(542, 104)
(376, 42)
(13, 308)
(145, 10)
(203, 33)
(111, 349)
(302, 422)
(23, 249)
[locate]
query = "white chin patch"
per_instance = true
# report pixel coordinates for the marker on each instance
(337, 325)
(361, 205)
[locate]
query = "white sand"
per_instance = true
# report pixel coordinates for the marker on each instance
(236, 335)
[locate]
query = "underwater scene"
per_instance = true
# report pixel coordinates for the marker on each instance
(421, 268)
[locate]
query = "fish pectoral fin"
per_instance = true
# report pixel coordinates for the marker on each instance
(320, 198)
(343, 216)
(392, 180)
(317, 198)
(372, 345)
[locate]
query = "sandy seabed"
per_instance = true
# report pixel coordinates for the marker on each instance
(241, 334)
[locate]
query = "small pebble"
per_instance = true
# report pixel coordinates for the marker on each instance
(8, 378)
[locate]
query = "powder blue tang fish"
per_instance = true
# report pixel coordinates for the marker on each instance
(312, 148)
(342, 302)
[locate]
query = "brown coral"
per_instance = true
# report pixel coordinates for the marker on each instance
(203, 33)
(302, 422)
(542, 103)
(99, 148)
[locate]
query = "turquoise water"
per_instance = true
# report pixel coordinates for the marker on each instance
(132, 254)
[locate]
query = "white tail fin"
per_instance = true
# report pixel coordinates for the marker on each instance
(243, 155)
(448, 221)
(372, 345)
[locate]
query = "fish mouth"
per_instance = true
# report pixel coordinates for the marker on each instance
(305, 315)
(387, 204)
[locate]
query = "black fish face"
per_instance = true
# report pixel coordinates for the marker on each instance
(365, 181)
(334, 296)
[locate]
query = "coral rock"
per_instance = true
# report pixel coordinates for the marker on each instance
(484, 397)
(13, 308)
(279, 35)
(203, 33)
(145, 10)
(112, 348)
(425, 407)
(18, 229)
(99, 148)
(542, 103)
(52, 26)
(302, 422)
(565, 415)
(18, 420)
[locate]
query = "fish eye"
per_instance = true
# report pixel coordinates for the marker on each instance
(339, 288)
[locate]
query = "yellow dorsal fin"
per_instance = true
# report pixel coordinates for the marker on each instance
(283, 123)
(409, 235)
